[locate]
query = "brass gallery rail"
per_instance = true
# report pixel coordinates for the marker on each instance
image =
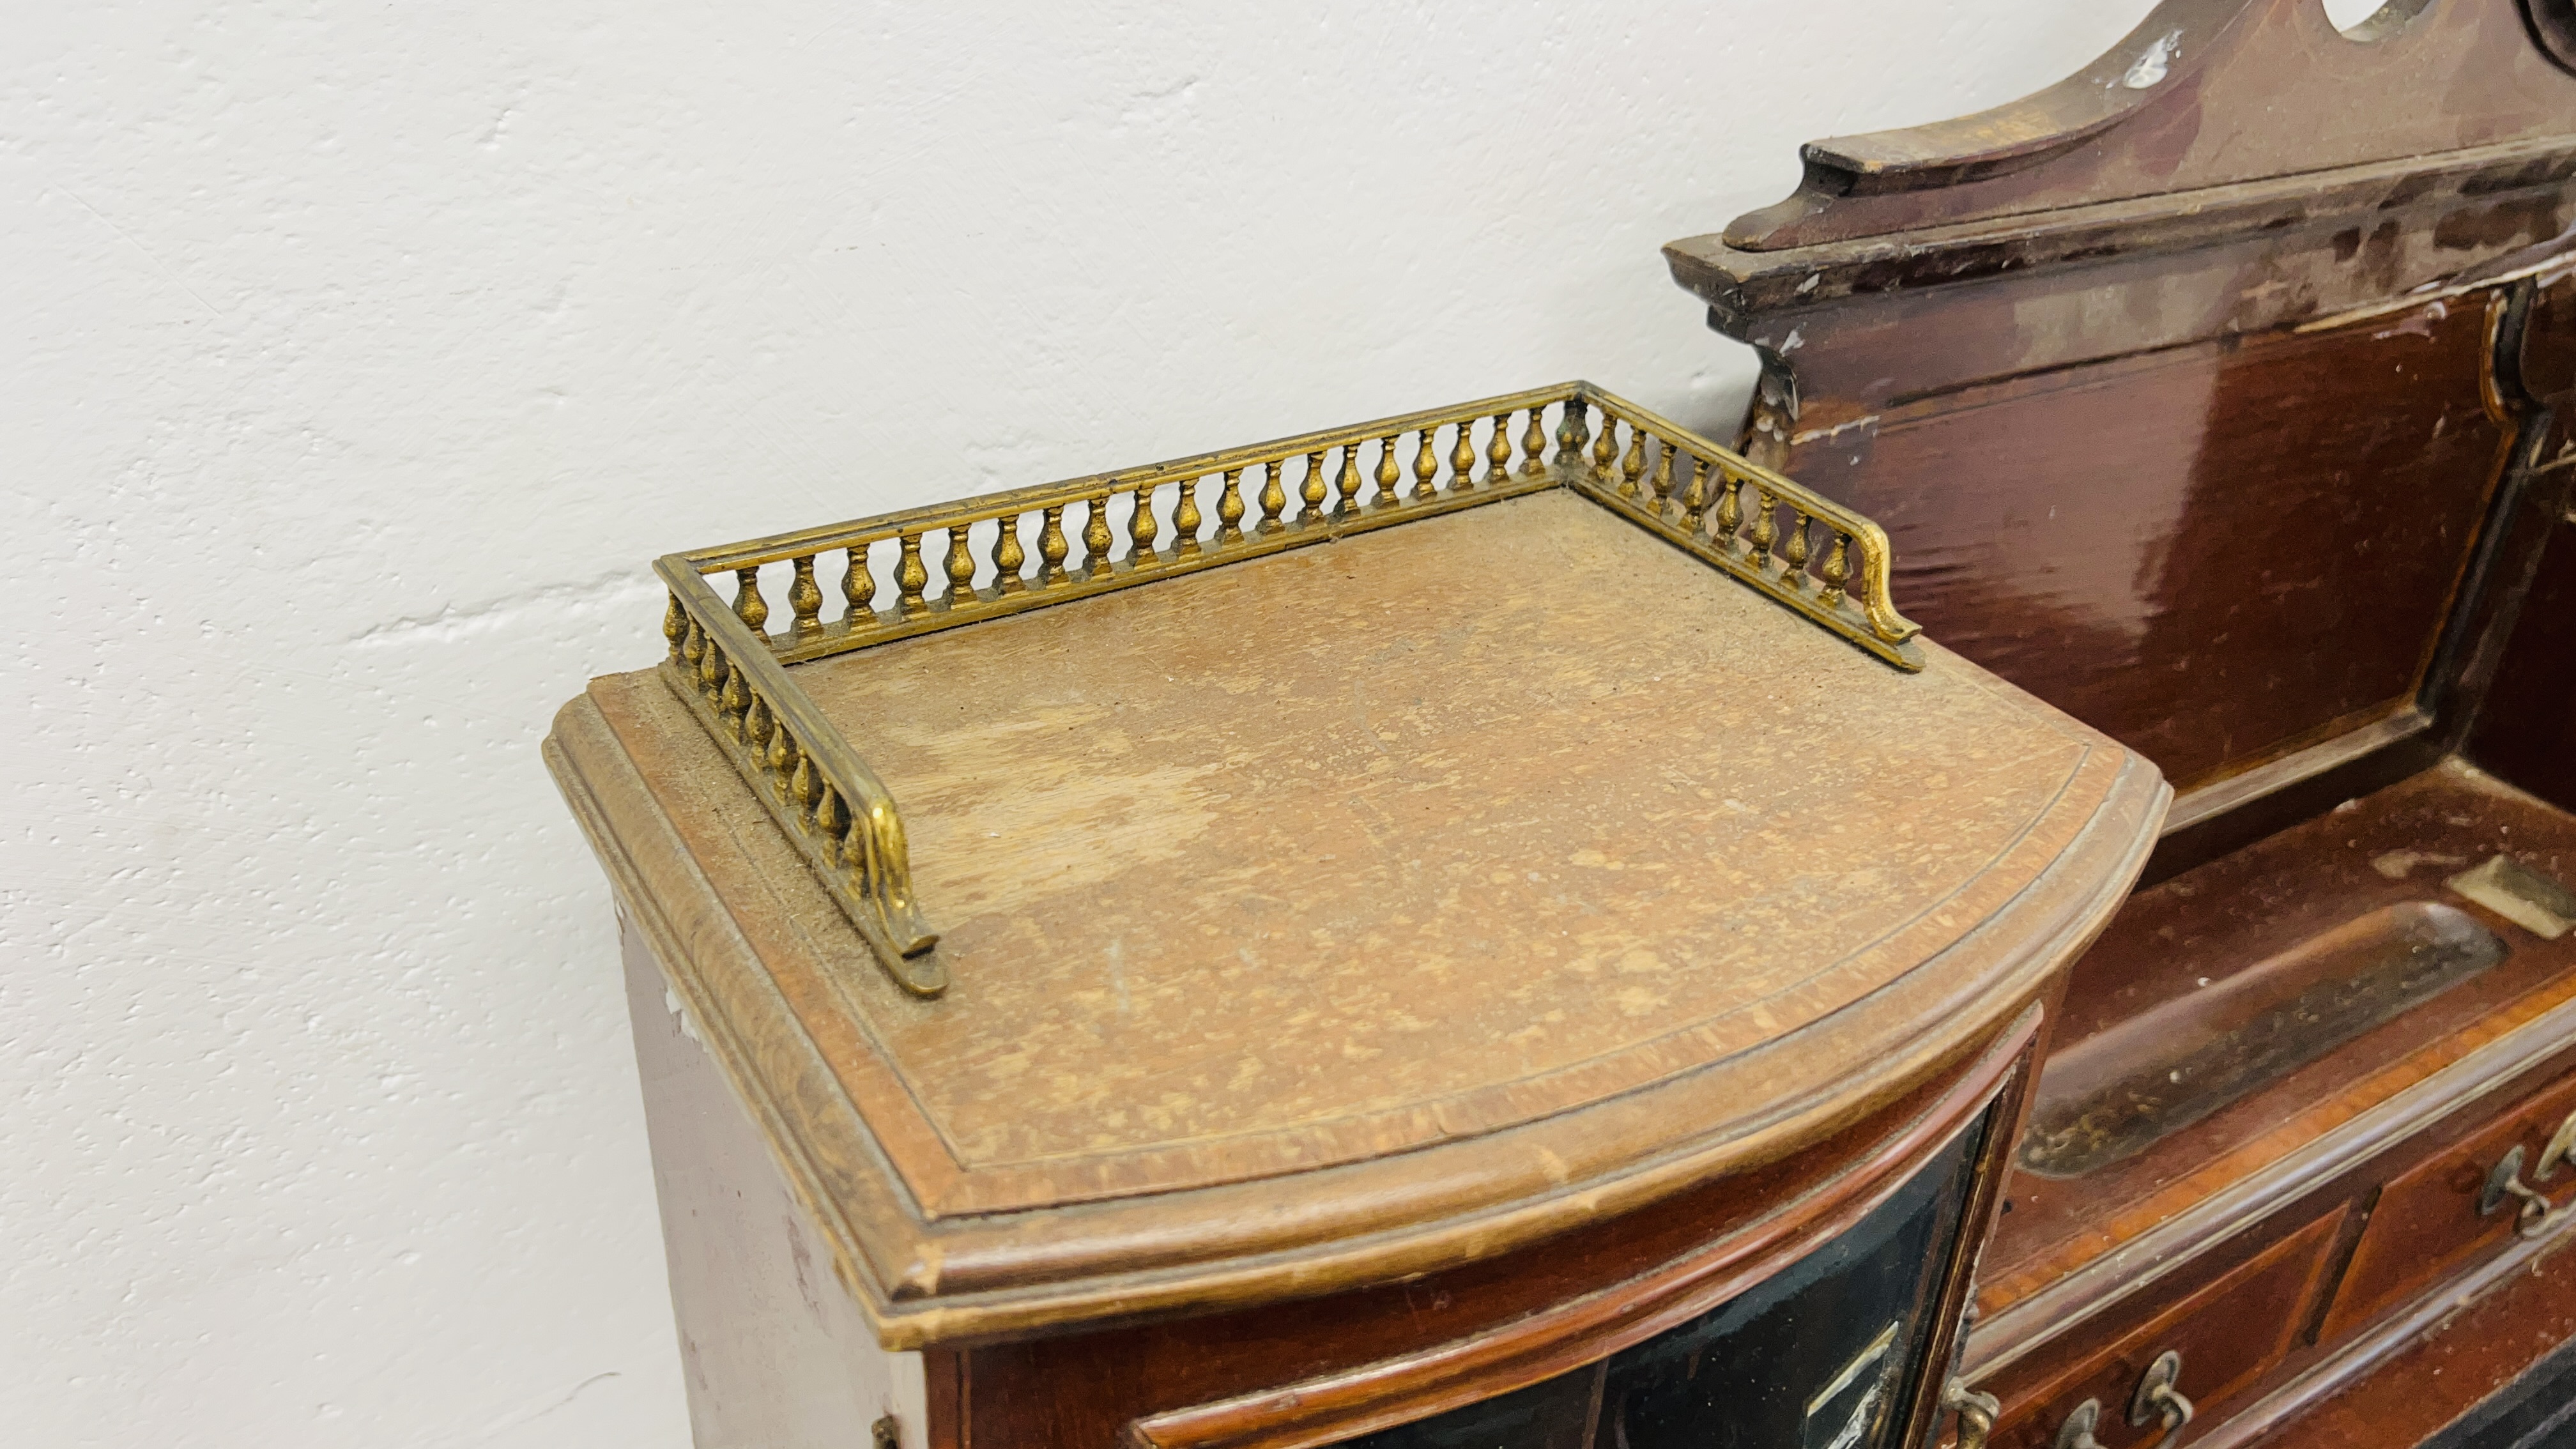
(1032, 547)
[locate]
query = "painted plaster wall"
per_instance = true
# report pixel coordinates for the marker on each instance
(357, 356)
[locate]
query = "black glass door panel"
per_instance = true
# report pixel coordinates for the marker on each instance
(1822, 1355)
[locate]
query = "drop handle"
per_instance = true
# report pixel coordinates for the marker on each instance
(2504, 1180)
(2160, 1396)
(2077, 1431)
(1976, 1412)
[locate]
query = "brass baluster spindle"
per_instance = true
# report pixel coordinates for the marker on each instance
(805, 596)
(1796, 552)
(959, 565)
(1636, 463)
(781, 756)
(1008, 556)
(693, 647)
(1764, 530)
(1837, 570)
(1498, 450)
(1534, 444)
(1185, 517)
(1573, 430)
(1274, 494)
(756, 727)
(1426, 465)
(735, 703)
(1730, 508)
(1695, 497)
(1348, 481)
(1095, 535)
(1229, 507)
(832, 819)
(910, 578)
(1388, 475)
(747, 602)
(675, 625)
(1311, 490)
(711, 673)
(1606, 451)
(858, 588)
(1462, 458)
(1141, 528)
(804, 789)
(1052, 547)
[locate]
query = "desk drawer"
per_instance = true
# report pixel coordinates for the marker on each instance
(2426, 1224)
(2228, 1334)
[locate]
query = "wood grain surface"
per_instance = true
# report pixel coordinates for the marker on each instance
(1366, 910)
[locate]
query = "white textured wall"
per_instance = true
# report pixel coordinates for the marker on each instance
(358, 356)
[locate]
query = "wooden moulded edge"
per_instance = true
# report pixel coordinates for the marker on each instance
(927, 1280)
(1585, 1329)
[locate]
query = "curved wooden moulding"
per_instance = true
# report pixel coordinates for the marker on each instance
(1537, 874)
(1730, 1247)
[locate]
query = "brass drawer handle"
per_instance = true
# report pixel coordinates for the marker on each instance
(1976, 1412)
(2505, 1180)
(2159, 1395)
(2561, 1149)
(2077, 1431)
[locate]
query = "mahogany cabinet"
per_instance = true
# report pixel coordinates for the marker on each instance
(2219, 396)
(1481, 928)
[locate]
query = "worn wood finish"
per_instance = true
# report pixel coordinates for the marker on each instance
(1538, 874)
(2425, 1221)
(2171, 108)
(2230, 1333)
(2419, 1370)
(2241, 366)
(1325, 1369)
(2226, 438)
(2208, 624)
(2392, 847)
(776, 1354)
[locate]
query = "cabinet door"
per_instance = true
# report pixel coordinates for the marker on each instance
(1826, 1354)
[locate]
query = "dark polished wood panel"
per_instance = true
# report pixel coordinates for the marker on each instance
(2187, 426)
(2527, 729)
(2215, 553)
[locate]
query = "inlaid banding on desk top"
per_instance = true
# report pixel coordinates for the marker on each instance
(1420, 834)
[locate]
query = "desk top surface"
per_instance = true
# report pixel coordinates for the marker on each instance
(1399, 886)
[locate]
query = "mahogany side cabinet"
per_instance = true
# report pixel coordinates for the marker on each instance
(1483, 929)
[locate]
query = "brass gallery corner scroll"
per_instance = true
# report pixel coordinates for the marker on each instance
(1005, 553)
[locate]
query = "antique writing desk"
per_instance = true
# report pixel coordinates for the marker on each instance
(2219, 395)
(1485, 928)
